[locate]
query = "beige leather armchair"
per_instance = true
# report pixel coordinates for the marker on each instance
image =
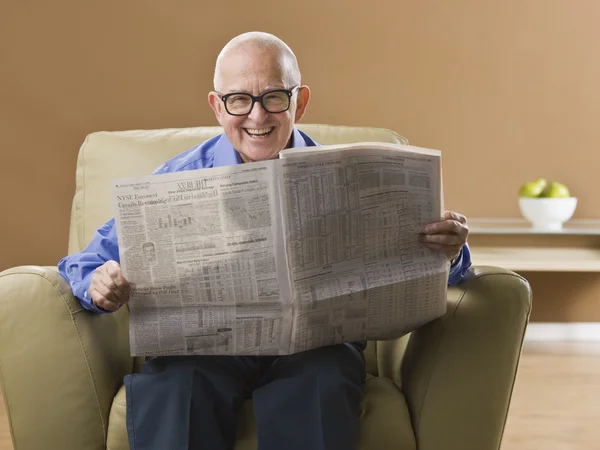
(447, 385)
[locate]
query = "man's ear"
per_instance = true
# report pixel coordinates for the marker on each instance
(302, 102)
(216, 104)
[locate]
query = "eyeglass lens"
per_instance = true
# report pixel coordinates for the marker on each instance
(272, 102)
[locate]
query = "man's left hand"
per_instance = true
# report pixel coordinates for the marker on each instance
(448, 235)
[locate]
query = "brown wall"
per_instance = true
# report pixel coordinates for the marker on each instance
(506, 89)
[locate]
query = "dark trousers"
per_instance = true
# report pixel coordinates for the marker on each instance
(306, 401)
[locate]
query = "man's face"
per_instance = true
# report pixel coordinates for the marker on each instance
(260, 135)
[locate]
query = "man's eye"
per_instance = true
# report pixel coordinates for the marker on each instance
(276, 98)
(238, 99)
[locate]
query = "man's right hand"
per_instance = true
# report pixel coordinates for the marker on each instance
(109, 289)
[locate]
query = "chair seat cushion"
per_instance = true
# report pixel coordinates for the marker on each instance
(385, 421)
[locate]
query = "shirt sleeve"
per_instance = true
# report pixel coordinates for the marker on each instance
(78, 269)
(460, 266)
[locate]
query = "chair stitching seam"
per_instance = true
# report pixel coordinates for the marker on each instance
(437, 354)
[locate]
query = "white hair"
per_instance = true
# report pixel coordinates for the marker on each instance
(262, 41)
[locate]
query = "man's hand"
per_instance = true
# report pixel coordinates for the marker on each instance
(447, 236)
(109, 289)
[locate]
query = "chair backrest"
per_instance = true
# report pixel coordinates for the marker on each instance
(113, 154)
(107, 155)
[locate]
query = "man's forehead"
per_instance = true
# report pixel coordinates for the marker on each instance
(250, 81)
(249, 70)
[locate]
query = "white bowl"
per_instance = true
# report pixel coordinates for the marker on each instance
(547, 213)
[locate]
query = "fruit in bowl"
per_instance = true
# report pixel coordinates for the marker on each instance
(533, 189)
(547, 205)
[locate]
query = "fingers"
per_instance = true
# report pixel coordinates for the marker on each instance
(451, 215)
(109, 289)
(453, 223)
(443, 239)
(116, 282)
(447, 235)
(447, 226)
(99, 298)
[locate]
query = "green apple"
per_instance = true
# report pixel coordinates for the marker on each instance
(533, 188)
(556, 190)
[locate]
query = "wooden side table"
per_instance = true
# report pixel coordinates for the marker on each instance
(515, 245)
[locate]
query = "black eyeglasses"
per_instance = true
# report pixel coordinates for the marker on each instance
(275, 101)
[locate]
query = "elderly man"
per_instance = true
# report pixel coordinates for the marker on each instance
(309, 400)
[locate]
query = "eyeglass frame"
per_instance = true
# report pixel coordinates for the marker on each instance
(259, 99)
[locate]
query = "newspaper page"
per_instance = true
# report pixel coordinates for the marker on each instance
(199, 249)
(276, 257)
(353, 214)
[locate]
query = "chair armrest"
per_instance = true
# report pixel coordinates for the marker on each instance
(60, 365)
(458, 371)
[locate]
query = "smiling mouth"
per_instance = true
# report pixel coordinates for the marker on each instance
(259, 132)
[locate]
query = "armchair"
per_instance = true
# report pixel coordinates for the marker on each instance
(447, 385)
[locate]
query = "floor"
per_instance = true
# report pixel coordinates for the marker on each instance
(556, 402)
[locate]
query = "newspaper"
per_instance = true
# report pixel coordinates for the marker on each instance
(315, 248)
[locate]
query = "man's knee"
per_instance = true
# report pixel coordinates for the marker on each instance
(227, 375)
(332, 356)
(159, 378)
(332, 364)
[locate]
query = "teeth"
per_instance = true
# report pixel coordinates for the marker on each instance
(258, 132)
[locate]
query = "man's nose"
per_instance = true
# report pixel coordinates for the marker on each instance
(258, 113)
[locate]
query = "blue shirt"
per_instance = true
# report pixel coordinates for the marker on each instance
(78, 269)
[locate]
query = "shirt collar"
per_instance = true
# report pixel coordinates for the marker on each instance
(226, 155)
(297, 139)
